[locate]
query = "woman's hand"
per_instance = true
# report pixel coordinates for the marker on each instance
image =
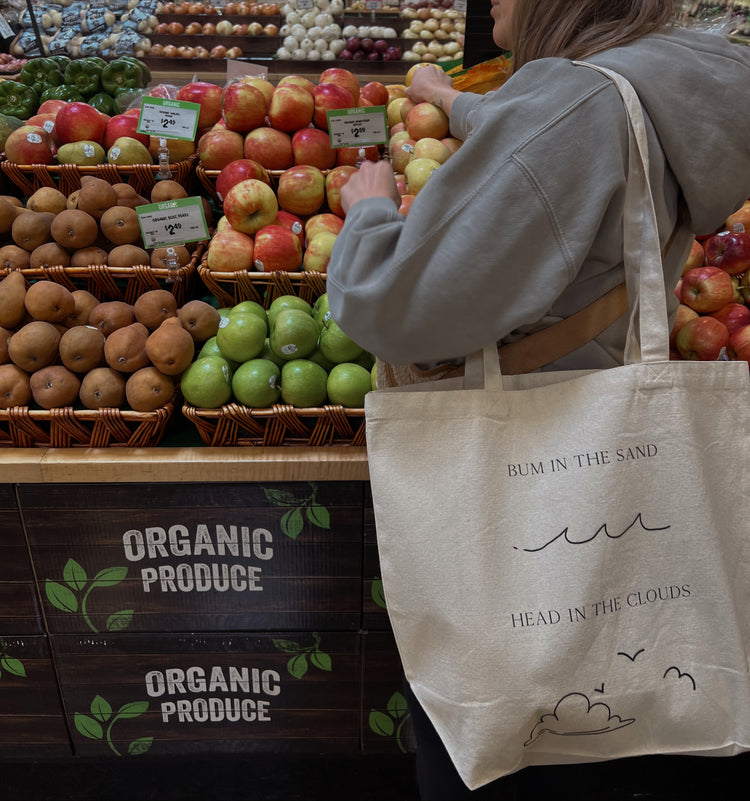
(372, 179)
(430, 84)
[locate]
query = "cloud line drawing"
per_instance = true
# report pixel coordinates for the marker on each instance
(574, 714)
(680, 674)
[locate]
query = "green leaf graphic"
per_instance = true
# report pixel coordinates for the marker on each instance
(318, 516)
(140, 746)
(396, 705)
(13, 666)
(376, 591)
(321, 660)
(74, 575)
(287, 646)
(109, 576)
(88, 727)
(292, 523)
(132, 710)
(101, 709)
(119, 620)
(280, 497)
(297, 666)
(381, 723)
(60, 596)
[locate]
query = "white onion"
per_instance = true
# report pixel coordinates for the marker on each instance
(299, 55)
(283, 53)
(299, 31)
(294, 17)
(336, 46)
(323, 19)
(328, 56)
(313, 55)
(350, 30)
(308, 19)
(321, 45)
(290, 43)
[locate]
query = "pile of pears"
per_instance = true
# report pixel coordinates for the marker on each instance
(64, 348)
(94, 225)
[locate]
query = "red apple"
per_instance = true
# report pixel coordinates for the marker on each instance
(229, 251)
(350, 155)
(729, 250)
(243, 107)
(733, 315)
(301, 189)
(78, 121)
(249, 205)
(269, 147)
(123, 125)
(742, 215)
(335, 180)
(165, 90)
(329, 97)
(313, 146)
(739, 343)
(237, 171)
(208, 95)
(706, 289)
(424, 119)
(266, 87)
(375, 92)
(406, 201)
(45, 120)
(291, 108)
(297, 80)
(219, 147)
(318, 252)
(696, 257)
(401, 152)
(702, 338)
(344, 78)
(277, 248)
(293, 223)
(324, 221)
(53, 105)
(683, 314)
(29, 144)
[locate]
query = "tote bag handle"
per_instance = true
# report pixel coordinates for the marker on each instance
(647, 338)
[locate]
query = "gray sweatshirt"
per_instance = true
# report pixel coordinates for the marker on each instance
(522, 226)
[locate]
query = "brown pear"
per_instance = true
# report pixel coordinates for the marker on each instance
(127, 196)
(111, 315)
(125, 348)
(13, 257)
(120, 225)
(49, 255)
(55, 386)
(199, 319)
(82, 348)
(50, 301)
(73, 199)
(74, 229)
(153, 307)
(13, 200)
(34, 345)
(15, 389)
(8, 213)
(128, 256)
(12, 296)
(102, 388)
(32, 228)
(148, 389)
(47, 198)
(172, 257)
(84, 303)
(167, 190)
(4, 337)
(170, 348)
(96, 196)
(92, 255)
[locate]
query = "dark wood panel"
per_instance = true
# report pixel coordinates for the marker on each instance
(19, 609)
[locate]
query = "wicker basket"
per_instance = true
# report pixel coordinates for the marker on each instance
(236, 425)
(235, 287)
(120, 283)
(22, 427)
(67, 177)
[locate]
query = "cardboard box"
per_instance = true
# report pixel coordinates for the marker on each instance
(19, 607)
(197, 557)
(32, 722)
(165, 694)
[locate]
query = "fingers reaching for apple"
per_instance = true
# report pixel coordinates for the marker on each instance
(373, 179)
(429, 84)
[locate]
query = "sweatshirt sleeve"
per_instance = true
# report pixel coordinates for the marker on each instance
(491, 241)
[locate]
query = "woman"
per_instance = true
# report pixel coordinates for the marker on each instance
(522, 227)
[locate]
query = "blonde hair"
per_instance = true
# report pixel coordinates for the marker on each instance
(577, 29)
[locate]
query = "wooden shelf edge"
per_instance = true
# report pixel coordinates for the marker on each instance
(163, 465)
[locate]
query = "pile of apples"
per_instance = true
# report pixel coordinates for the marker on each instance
(713, 319)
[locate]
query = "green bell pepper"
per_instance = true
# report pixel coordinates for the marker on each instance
(18, 99)
(41, 73)
(63, 92)
(85, 75)
(122, 74)
(143, 67)
(103, 102)
(61, 61)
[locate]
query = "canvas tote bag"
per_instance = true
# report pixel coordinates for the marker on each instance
(566, 556)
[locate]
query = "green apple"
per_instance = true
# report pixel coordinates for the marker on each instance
(241, 336)
(207, 383)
